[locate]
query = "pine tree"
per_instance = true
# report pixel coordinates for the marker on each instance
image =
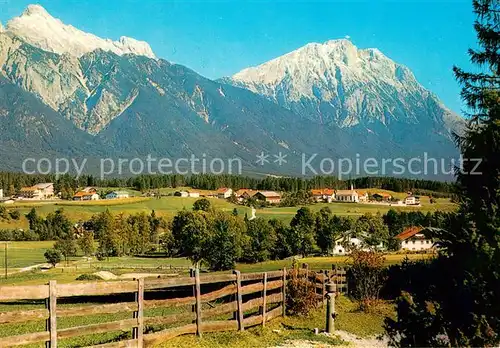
(460, 301)
(473, 246)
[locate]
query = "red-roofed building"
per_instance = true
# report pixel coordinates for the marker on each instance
(224, 193)
(268, 196)
(244, 194)
(323, 195)
(85, 196)
(413, 239)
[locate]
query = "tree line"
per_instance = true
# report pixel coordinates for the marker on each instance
(219, 239)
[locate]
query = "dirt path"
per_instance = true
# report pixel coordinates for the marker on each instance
(361, 342)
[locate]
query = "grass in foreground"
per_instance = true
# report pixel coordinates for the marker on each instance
(282, 330)
(23, 254)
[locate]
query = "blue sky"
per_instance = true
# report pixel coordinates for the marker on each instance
(219, 38)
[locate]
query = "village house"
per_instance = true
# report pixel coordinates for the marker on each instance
(347, 195)
(37, 192)
(86, 196)
(382, 197)
(244, 194)
(363, 196)
(345, 245)
(182, 194)
(194, 194)
(268, 196)
(323, 195)
(412, 200)
(414, 239)
(224, 193)
(89, 189)
(117, 195)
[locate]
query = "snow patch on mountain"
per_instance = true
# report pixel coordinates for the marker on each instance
(37, 27)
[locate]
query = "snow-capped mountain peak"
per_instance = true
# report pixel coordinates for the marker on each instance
(37, 27)
(317, 61)
(35, 9)
(337, 83)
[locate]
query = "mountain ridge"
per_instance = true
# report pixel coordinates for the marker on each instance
(132, 105)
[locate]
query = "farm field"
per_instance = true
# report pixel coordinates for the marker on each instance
(23, 254)
(169, 206)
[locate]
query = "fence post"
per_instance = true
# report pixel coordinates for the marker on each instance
(53, 313)
(140, 313)
(264, 300)
(198, 300)
(323, 293)
(306, 267)
(239, 297)
(284, 292)
(331, 289)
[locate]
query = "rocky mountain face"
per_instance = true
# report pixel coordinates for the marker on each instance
(337, 83)
(77, 94)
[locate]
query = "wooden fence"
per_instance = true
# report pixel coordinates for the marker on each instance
(246, 300)
(338, 275)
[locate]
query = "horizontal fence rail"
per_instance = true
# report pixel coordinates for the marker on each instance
(152, 311)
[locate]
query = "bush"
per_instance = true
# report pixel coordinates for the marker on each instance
(53, 256)
(202, 204)
(88, 276)
(100, 256)
(24, 235)
(300, 295)
(368, 275)
(15, 215)
(18, 235)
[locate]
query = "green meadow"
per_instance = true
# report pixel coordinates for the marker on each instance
(169, 206)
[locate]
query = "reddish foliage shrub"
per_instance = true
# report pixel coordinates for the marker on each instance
(367, 271)
(301, 295)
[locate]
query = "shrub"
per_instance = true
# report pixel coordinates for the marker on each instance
(88, 276)
(53, 256)
(202, 204)
(100, 256)
(300, 294)
(368, 275)
(24, 235)
(15, 215)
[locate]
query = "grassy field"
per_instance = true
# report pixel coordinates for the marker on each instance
(24, 254)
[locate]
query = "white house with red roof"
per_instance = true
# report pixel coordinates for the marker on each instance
(413, 239)
(224, 193)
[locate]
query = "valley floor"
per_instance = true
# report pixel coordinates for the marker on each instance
(169, 206)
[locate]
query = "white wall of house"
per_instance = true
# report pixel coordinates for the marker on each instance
(117, 195)
(411, 201)
(416, 244)
(353, 197)
(228, 193)
(341, 248)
